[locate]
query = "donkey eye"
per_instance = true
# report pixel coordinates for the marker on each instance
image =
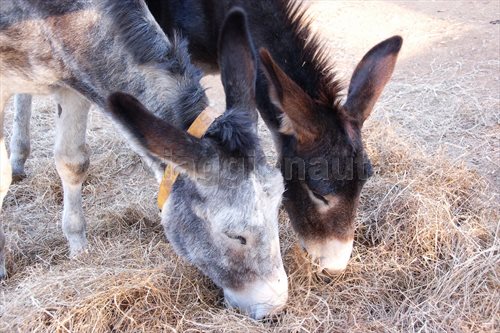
(320, 197)
(241, 239)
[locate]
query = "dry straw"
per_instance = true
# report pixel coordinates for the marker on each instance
(426, 254)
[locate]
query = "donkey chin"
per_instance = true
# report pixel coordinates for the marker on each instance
(331, 255)
(260, 298)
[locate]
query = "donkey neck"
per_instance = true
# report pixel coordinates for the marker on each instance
(281, 26)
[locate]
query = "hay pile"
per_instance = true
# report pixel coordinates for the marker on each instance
(425, 259)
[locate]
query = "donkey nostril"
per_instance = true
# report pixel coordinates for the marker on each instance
(275, 317)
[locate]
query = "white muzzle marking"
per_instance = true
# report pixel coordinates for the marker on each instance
(331, 255)
(260, 298)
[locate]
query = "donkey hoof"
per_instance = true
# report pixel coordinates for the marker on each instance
(3, 272)
(18, 176)
(77, 249)
(77, 253)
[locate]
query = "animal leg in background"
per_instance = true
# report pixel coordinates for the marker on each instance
(72, 163)
(20, 140)
(5, 178)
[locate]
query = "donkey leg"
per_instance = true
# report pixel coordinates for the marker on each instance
(20, 141)
(5, 179)
(72, 163)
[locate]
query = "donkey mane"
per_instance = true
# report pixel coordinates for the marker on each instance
(141, 36)
(235, 133)
(145, 40)
(318, 77)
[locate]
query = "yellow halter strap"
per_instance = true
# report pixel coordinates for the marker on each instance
(197, 129)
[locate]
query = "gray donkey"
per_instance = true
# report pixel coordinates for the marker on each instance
(222, 212)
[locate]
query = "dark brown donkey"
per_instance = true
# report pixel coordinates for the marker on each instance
(318, 138)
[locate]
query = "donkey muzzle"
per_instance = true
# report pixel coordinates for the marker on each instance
(331, 255)
(260, 298)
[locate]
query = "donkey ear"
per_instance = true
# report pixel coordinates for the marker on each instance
(370, 77)
(158, 137)
(289, 98)
(237, 62)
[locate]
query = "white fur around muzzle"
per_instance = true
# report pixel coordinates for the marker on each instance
(331, 255)
(260, 298)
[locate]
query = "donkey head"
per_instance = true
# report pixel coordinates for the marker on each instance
(322, 158)
(222, 213)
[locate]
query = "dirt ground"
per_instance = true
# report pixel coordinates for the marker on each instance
(435, 135)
